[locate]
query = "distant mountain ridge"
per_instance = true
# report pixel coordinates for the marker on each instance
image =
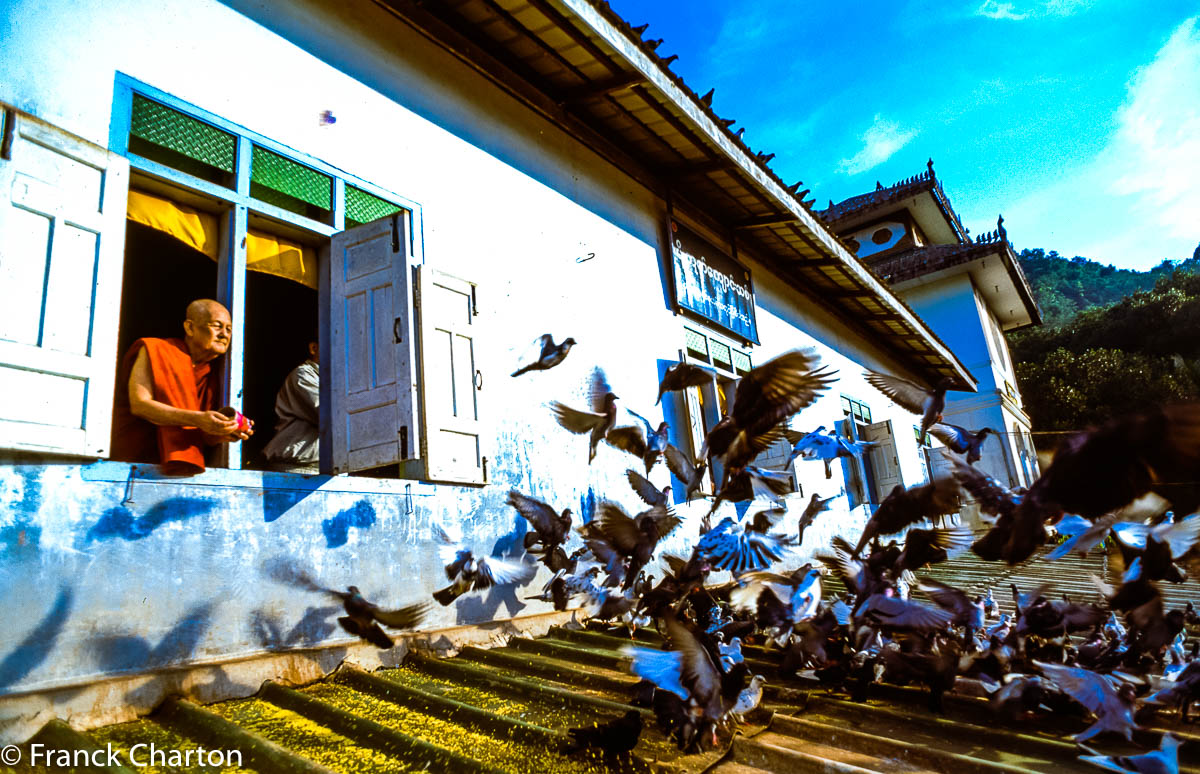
(1064, 286)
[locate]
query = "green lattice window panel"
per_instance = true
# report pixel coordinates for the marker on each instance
(721, 355)
(280, 181)
(741, 362)
(697, 344)
(161, 134)
(362, 207)
(860, 410)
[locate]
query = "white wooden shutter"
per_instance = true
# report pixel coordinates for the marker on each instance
(451, 378)
(370, 319)
(62, 244)
(884, 462)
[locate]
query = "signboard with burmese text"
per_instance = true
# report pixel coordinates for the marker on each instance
(711, 284)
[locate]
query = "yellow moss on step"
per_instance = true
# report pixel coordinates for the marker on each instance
(307, 738)
(500, 752)
(125, 735)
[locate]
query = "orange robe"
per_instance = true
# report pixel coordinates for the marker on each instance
(177, 382)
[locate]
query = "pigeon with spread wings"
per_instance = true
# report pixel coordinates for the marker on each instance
(913, 397)
(550, 529)
(765, 397)
(549, 354)
(466, 572)
(598, 421)
(680, 376)
(961, 440)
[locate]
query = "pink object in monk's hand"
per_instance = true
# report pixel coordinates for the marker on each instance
(232, 413)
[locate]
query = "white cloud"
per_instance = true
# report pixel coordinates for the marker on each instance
(880, 143)
(1016, 11)
(994, 10)
(1155, 155)
(1137, 200)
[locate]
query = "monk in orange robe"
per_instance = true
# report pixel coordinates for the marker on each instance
(166, 412)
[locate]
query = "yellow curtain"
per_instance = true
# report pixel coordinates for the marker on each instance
(265, 253)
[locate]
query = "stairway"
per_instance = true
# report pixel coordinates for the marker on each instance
(508, 709)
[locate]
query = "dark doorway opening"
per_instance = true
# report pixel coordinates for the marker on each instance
(281, 318)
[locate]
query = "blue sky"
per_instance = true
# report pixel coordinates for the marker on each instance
(1079, 120)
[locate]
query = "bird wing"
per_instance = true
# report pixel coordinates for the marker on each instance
(698, 671)
(946, 597)
(778, 388)
(993, 497)
(904, 613)
(675, 564)
(649, 493)
(545, 345)
(680, 463)
(1083, 685)
(683, 375)
(953, 436)
(740, 551)
(449, 540)
(494, 571)
(1180, 536)
(407, 617)
(543, 518)
(619, 527)
(664, 519)
(598, 388)
(628, 438)
(575, 420)
(769, 484)
(953, 540)
(904, 393)
(664, 668)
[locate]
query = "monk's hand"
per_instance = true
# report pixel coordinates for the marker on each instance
(242, 433)
(216, 424)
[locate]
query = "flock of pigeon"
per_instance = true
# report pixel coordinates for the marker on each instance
(1127, 479)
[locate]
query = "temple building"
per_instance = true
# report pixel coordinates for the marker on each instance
(971, 291)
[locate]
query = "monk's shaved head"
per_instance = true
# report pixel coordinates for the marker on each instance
(205, 310)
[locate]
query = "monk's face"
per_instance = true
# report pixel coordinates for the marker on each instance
(208, 332)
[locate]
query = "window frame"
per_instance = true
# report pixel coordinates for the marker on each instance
(237, 208)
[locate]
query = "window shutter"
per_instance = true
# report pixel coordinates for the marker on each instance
(62, 242)
(370, 319)
(884, 462)
(452, 445)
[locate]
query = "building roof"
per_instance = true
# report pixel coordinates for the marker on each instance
(909, 265)
(838, 215)
(582, 66)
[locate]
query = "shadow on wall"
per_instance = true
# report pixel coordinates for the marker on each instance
(587, 506)
(38, 644)
(282, 491)
(476, 608)
(337, 529)
(313, 627)
(129, 652)
(119, 522)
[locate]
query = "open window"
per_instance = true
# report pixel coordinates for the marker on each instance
(62, 225)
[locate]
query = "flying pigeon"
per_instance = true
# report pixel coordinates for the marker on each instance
(551, 354)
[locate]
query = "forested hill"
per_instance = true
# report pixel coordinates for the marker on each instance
(1116, 341)
(1066, 286)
